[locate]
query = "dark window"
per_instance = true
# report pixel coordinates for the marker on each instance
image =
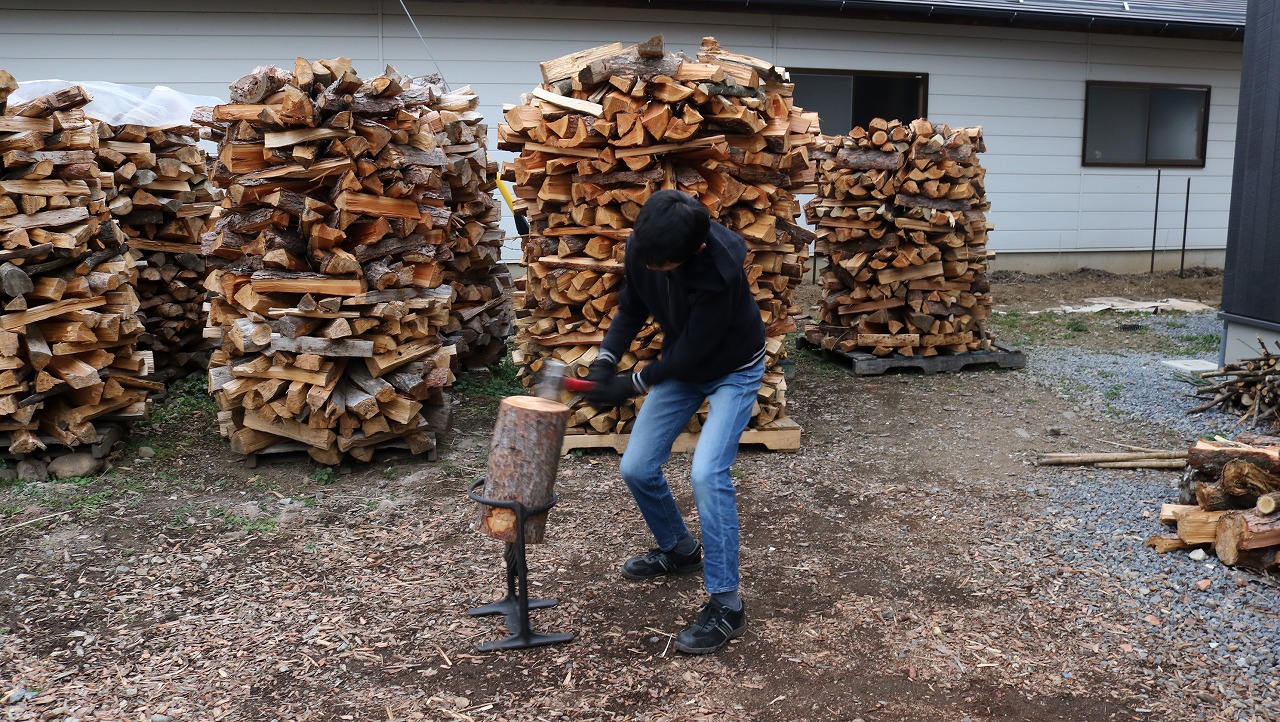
(844, 100)
(1145, 125)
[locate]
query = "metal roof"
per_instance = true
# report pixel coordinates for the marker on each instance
(1227, 13)
(1220, 19)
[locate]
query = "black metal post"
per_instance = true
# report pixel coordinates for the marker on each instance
(1155, 223)
(1186, 213)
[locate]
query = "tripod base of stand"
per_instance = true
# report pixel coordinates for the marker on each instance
(524, 641)
(509, 607)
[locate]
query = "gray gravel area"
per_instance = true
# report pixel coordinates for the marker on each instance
(1136, 385)
(1200, 631)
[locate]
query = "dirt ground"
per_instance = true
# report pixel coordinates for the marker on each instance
(877, 569)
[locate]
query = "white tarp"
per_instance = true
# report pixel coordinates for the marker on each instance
(121, 104)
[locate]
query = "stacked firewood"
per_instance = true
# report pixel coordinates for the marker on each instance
(481, 313)
(607, 128)
(900, 221)
(162, 197)
(68, 362)
(1249, 387)
(1230, 496)
(337, 228)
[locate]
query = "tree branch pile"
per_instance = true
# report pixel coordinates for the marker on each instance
(1249, 388)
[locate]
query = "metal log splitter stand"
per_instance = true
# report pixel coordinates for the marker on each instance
(516, 605)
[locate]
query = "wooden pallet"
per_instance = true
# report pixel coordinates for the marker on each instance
(783, 435)
(865, 364)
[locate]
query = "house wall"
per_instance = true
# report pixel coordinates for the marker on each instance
(1026, 88)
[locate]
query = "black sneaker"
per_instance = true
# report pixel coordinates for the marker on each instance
(715, 626)
(658, 563)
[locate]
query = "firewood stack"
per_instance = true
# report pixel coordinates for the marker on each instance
(481, 313)
(1231, 496)
(336, 227)
(68, 363)
(900, 221)
(607, 128)
(162, 197)
(1249, 387)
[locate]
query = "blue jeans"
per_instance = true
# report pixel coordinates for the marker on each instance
(666, 410)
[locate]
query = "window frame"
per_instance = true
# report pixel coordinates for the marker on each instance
(1203, 140)
(923, 77)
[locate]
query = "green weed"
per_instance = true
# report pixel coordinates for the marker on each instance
(499, 383)
(1077, 326)
(1204, 342)
(325, 475)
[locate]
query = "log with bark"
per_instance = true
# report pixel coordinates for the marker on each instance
(1236, 487)
(611, 126)
(338, 228)
(900, 213)
(523, 458)
(69, 329)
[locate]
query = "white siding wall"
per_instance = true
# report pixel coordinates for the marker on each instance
(1026, 88)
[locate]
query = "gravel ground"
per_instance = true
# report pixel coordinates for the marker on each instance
(1214, 627)
(1136, 385)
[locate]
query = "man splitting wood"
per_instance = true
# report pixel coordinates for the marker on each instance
(687, 272)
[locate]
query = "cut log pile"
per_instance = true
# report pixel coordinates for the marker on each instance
(1250, 388)
(608, 127)
(162, 197)
(901, 223)
(68, 331)
(336, 227)
(481, 312)
(1230, 503)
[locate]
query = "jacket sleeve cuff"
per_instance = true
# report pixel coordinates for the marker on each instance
(637, 382)
(604, 355)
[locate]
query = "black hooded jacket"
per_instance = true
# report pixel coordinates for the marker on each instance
(710, 321)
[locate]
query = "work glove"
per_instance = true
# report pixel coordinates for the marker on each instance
(613, 391)
(601, 370)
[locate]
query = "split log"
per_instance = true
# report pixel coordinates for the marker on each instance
(1199, 527)
(523, 459)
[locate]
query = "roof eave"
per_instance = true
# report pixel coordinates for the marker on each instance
(888, 10)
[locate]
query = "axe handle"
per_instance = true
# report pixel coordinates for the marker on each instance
(578, 385)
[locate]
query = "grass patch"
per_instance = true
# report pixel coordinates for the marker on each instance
(499, 383)
(325, 475)
(1203, 342)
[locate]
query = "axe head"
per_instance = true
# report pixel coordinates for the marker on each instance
(554, 378)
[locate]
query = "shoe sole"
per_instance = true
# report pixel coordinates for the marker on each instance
(708, 650)
(681, 570)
